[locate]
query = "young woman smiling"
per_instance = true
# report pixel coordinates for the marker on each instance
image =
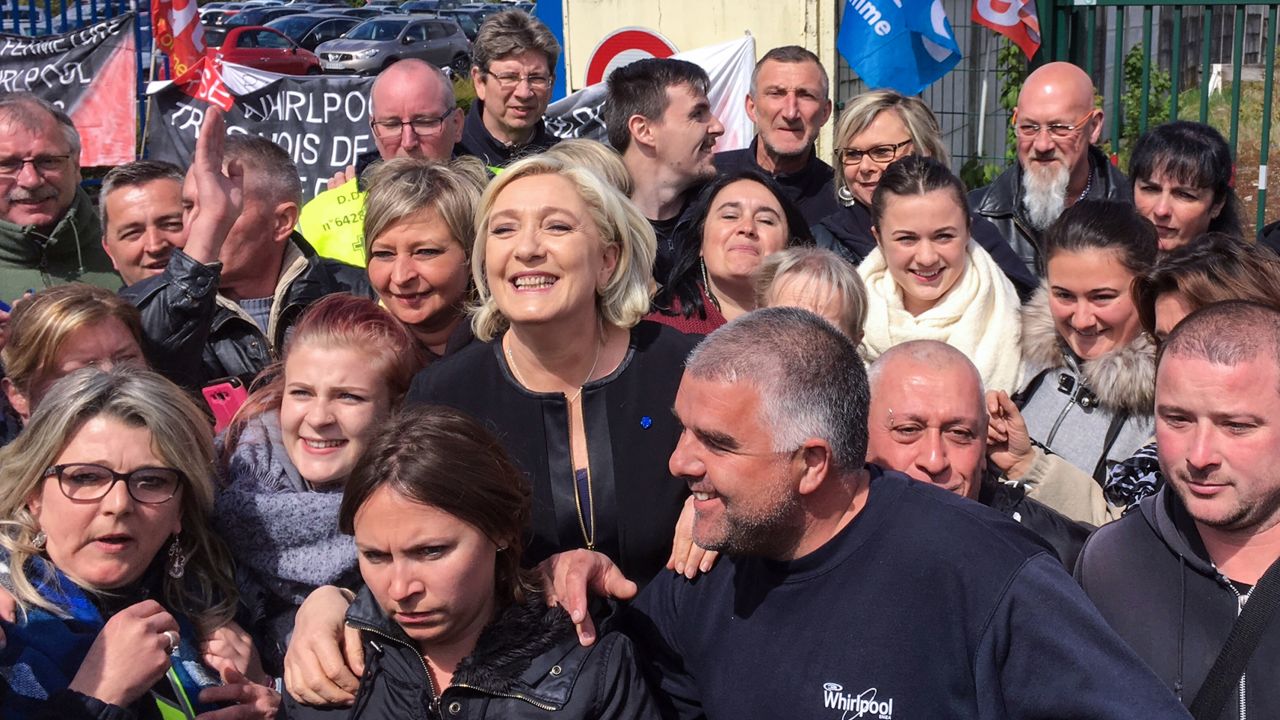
(290, 450)
(1091, 401)
(928, 279)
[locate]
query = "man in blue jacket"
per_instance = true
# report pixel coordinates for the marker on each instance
(1172, 576)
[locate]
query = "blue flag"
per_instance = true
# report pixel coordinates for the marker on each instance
(900, 44)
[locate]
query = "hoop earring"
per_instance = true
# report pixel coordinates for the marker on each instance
(177, 560)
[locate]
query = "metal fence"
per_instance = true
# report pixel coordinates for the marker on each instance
(1216, 58)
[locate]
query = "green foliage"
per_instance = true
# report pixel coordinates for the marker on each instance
(1011, 72)
(1158, 98)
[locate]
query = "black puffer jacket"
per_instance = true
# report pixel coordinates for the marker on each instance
(1001, 203)
(526, 664)
(1153, 581)
(192, 335)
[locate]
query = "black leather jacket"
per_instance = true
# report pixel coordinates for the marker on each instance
(526, 664)
(1001, 203)
(191, 335)
(1065, 535)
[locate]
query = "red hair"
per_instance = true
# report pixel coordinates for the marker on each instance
(338, 321)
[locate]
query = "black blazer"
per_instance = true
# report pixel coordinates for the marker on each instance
(630, 436)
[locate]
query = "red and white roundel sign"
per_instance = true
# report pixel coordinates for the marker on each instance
(623, 46)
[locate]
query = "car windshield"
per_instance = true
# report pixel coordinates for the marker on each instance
(245, 17)
(377, 30)
(295, 26)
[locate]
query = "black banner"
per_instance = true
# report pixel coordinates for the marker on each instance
(322, 122)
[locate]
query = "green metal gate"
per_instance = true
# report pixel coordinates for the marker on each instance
(1198, 37)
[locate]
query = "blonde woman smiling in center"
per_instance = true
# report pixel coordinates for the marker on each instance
(928, 280)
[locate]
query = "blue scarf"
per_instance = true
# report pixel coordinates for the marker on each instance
(43, 652)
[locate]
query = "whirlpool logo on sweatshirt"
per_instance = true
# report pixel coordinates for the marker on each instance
(851, 706)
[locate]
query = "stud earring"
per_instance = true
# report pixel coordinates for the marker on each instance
(39, 540)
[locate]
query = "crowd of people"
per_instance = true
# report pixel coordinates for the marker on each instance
(639, 429)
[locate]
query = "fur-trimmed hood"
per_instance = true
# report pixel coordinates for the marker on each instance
(1124, 380)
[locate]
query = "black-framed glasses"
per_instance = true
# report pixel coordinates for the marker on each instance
(882, 154)
(89, 481)
(422, 126)
(1056, 130)
(510, 81)
(43, 164)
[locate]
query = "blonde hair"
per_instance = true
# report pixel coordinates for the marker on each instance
(402, 187)
(922, 127)
(624, 300)
(180, 435)
(596, 157)
(813, 265)
(41, 324)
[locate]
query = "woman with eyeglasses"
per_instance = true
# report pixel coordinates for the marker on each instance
(119, 581)
(875, 129)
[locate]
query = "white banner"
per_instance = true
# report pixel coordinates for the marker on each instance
(729, 64)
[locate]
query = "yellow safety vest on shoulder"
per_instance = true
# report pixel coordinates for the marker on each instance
(333, 223)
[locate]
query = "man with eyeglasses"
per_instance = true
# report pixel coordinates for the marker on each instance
(514, 59)
(1056, 125)
(789, 104)
(412, 113)
(49, 229)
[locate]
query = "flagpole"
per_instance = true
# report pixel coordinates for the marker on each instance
(982, 102)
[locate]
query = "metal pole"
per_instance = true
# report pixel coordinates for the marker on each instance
(1269, 79)
(1117, 81)
(1237, 59)
(1206, 40)
(1175, 56)
(1144, 102)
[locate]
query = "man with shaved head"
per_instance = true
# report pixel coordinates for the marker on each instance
(928, 420)
(1173, 575)
(1057, 125)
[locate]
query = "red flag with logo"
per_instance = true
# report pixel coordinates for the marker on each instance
(204, 82)
(1015, 19)
(175, 25)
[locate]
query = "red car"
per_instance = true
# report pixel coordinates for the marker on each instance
(267, 49)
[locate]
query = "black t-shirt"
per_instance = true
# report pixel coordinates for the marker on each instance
(925, 605)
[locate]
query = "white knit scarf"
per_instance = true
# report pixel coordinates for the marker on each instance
(978, 316)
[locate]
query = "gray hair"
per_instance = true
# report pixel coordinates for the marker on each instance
(790, 54)
(512, 32)
(33, 113)
(596, 157)
(268, 169)
(134, 174)
(817, 265)
(922, 126)
(407, 66)
(811, 381)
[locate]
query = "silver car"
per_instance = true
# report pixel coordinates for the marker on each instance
(376, 43)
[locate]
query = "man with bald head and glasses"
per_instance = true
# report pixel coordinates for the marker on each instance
(1057, 127)
(49, 229)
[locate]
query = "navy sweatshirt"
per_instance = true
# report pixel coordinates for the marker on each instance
(925, 606)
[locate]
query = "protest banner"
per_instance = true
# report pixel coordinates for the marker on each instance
(729, 64)
(321, 121)
(91, 74)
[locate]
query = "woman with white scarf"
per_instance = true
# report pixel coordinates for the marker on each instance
(928, 280)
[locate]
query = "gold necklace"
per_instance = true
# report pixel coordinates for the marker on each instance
(588, 537)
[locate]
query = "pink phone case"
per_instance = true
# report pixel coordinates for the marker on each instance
(224, 397)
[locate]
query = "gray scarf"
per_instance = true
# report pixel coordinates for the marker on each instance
(283, 536)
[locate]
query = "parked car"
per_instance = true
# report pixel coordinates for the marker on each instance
(267, 49)
(261, 15)
(310, 30)
(421, 6)
(468, 20)
(375, 44)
